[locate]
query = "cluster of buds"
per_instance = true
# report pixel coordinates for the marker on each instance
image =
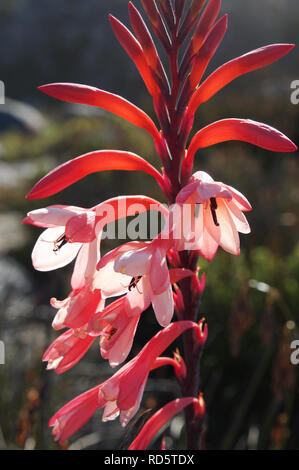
(201, 215)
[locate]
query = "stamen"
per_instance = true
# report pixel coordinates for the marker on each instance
(134, 282)
(111, 333)
(59, 243)
(214, 207)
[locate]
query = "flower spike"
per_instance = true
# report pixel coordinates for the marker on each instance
(202, 215)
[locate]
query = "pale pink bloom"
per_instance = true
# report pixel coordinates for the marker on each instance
(219, 219)
(140, 268)
(117, 323)
(67, 349)
(76, 310)
(71, 230)
(67, 228)
(122, 393)
(116, 327)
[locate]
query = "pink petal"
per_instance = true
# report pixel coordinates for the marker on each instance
(81, 227)
(119, 347)
(74, 414)
(239, 199)
(163, 306)
(205, 191)
(229, 239)
(238, 217)
(159, 274)
(85, 265)
(209, 241)
(44, 258)
(134, 262)
(52, 216)
(111, 282)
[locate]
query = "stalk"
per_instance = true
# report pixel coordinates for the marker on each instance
(176, 141)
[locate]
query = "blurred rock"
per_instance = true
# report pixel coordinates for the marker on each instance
(12, 233)
(16, 115)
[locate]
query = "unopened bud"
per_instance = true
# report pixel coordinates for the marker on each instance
(201, 333)
(200, 407)
(180, 369)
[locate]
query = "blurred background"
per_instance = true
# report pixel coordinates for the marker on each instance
(250, 302)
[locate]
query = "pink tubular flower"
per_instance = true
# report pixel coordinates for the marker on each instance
(122, 393)
(161, 417)
(70, 229)
(116, 327)
(67, 228)
(220, 215)
(140, 267)
(77, 308)
(67, 350)
(117, 323)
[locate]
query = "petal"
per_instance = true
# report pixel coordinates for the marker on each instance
(85, 265)
(119, 347)
(139, 298)
(127, 415)
(185, 193)
(163, 306)
(81, 227)
(239, 199)
(229, 239)
(44, 258)
(238, 217)
(74, 414)
(111, 411)
(111, 282)
(209, 242)
(52, 216)
(159, 274)
(205, 191)
(134, 262)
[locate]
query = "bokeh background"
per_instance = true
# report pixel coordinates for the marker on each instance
(250, 302)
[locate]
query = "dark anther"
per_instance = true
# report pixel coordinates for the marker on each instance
(59, 243)
(134, 282)
(111, 333)
(213, 210)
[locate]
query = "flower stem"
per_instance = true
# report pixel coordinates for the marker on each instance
(192, 355)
